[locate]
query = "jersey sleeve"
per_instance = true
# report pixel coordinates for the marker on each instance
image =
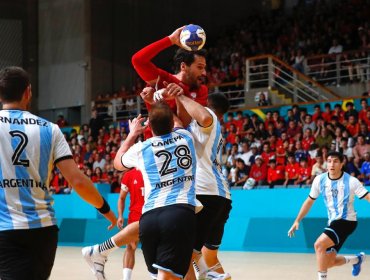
(315, 188)
(359, 188)
(61, 150)
(201, 134)
(130, 158)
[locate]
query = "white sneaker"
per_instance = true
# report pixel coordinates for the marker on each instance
(95, 260)
(212, 275)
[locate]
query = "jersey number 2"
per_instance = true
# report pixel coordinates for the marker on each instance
(23, 140)
(184, 159)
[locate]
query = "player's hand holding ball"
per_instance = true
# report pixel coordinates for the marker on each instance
(190, 37)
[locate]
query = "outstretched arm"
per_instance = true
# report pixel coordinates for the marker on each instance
(306, 206)
(194, 110)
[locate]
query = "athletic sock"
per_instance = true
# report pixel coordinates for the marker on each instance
(127, 273)
(322, 275)
(107, 247)
(351, 259)
(200, 263)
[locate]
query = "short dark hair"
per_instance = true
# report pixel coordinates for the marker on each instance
(161, 118)
(187, 57)
(336, 154)
(218, 103)
(13, 82)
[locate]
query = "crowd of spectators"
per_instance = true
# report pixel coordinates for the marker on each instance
(279, 150)
(292, 150)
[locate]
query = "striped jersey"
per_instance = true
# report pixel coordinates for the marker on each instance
(168, 164)
(29, 146)
(209, 144)
(338, 195)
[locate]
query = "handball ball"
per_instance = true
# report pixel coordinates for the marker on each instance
(192, 37)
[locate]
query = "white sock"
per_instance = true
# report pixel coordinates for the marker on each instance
(107, 247)
(127, 273)
(199, 260)
(322, 275)
(351, 259)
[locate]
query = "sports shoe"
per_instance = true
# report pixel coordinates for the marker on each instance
(212, 275)
(95, 260)
(357, 267)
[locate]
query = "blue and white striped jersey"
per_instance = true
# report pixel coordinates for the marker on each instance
(168, 164)
(29, 146)
(209, 144)
(338, 195)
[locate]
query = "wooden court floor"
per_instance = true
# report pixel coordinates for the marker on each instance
(70, 265)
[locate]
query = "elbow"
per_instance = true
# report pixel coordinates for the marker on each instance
(206, 121)
(135, 60)
(118, 165)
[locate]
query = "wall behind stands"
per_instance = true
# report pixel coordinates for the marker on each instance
(259, 221)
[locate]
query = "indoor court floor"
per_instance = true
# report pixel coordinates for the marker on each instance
(69, 264)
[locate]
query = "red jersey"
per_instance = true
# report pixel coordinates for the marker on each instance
(292, 170)
(133, 183)
(307, 142)
(275, 174)
(304, 173)
(258, 173)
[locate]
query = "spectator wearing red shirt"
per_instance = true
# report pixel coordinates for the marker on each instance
(229, 121)
(99, 176)
(132, 183)
(338, 112)
(267, 154)
(308, 139)
(304, 173)
(259, 171)
(317, 113)
(275, 174)
(61, 122)
(291, 170)
(327, 114)
(353, 127)
(362, 114)
(231, 134)
(281, 152)
(268, 119)
(293, 129)
(239, 121)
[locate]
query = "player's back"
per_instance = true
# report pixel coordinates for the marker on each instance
(27, 157)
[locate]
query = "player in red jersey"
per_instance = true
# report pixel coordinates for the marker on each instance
(132, 183)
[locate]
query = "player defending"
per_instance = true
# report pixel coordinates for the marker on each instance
(29, 148)
(338, 190)
(132, 183)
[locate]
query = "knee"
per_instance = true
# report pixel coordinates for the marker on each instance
(319, 248)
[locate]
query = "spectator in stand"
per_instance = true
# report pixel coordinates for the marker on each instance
(296, 113)
(299, 60)
(365, 170)
(293, 129)
(99, 161)
(319, 167)
(61, 122)
(239, 121)
(242, 172)
(59, 184)
(258, 171)
(362, 114)
(304, 172)
(233, 155)
(365, 132)
(307, 139)
(99, 176)
(267, 154)
(360, 149)
(338, 112)
(351, 111)
(345, 149)
(309, 123)
(255, 121)
(231, 135)
(275, 174)
(353, 127)
(350, 167)
(95, 124)
(261, 133)
(336, 48)
(300, 152)
(317, 113)
(291, 170)
(323, 138)
(263, 100)
(246, 153)
(327, 114)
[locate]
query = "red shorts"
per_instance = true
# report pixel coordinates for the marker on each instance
(133, 217)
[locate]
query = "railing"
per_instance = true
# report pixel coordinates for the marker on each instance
(268, 71)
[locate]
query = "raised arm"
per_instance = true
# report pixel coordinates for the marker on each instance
(194, 110)
(306, 206)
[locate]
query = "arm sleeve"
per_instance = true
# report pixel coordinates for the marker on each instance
(61, 148)
(315, 188)
(142, 59)
(124, 182)
(360, 190)
(130, 158)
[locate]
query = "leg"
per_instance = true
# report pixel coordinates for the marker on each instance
(127, 235)
(211, 259)
(165, 275)
(129, 260)
(324, 259)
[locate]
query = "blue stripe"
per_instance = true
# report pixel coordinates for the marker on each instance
(175, 188)
(5, 219)
(191, 192)
(323, 179)
(216, 173)
(46, 137)
(21, 172)
(153, 174)
(334, 188)
(346, 178)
